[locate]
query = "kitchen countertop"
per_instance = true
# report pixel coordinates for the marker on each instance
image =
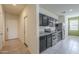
(45, 33)
(48, 33)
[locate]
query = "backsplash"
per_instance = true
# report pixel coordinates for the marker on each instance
(42, 28)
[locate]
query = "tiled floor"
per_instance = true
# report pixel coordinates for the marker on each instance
(14, 46)
(66, 46)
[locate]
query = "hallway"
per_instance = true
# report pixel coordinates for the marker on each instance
(14, 46)
(66, 46)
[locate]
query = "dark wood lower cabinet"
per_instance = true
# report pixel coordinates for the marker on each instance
(42, 43)
(45, 42)
(49, 40)
(59, 36)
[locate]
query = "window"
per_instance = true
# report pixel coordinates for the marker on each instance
(74, 24)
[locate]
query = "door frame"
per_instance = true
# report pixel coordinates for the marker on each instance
(24, 30)
(6, 30)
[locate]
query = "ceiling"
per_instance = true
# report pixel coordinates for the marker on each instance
(13, 9)
(61, 9)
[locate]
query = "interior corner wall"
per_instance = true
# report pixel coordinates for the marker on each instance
(2, 27)
(32, 37)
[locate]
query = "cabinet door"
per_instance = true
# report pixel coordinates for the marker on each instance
(45, 20)
(49, 41)
(40, 19)
(42, 43)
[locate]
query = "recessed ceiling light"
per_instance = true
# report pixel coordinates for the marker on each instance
(14, 4)
(70, 10)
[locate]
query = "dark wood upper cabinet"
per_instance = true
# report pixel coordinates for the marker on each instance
(40, 20)
(45, 20)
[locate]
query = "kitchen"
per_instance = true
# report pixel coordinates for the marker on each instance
(50, 32)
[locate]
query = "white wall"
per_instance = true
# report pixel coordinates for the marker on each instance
(31, 38)
(12, 25)
(2, 31)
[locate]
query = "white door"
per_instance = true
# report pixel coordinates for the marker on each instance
(12, 29)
